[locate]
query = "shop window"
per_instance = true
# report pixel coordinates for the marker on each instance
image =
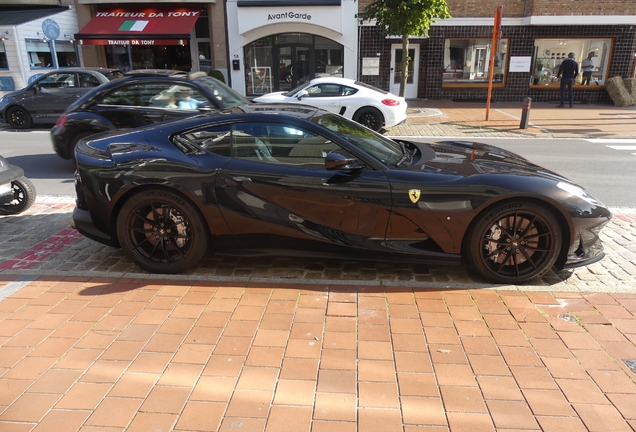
(285, 61)
(39, 54)
(550, 53)
(66, 54)
(467, 62)
(4, 64)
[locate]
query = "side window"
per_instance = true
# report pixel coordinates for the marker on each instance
(88, 80)
(280, 144)
(348, 91)
(215, 139)
(186, 97)
(324, 90)
(58, 81)
(140, 94)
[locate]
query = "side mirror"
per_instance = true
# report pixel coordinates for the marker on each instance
(37, 89)
(205, 107)
(302, 94)
(342, 161)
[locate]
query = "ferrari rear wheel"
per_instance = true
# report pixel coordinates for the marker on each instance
(162, 232)
(369, 117)
(515, 243)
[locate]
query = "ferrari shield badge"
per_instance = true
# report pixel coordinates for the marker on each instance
(414, 195)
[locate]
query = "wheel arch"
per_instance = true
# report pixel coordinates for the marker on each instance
(121, 200)
(567, 230)
(372, 108)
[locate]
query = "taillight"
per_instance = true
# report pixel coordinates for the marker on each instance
(391, 102)
(60, 121)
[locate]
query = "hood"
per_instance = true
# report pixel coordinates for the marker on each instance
(467, 158)
(271, 97)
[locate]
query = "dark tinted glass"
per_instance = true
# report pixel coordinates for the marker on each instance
(215, 139)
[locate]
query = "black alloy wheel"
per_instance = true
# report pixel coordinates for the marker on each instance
(515, 242)
(18, 117)
(23, 197)
(369, 117)
(162, 232)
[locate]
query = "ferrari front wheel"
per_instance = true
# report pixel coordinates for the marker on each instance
(515, 242)
(162, 232)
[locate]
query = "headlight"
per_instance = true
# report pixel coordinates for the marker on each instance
(579, 193)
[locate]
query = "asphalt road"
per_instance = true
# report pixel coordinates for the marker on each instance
(604, 168)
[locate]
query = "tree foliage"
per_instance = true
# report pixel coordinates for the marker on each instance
(404, 18)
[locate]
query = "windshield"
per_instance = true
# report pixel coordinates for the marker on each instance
(225, 96)
(297, 89)
(383, 149)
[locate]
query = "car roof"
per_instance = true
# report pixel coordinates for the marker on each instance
(337, 80)
(156, 72)
(85, 69)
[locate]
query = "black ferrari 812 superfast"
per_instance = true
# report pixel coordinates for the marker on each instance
(292, 179)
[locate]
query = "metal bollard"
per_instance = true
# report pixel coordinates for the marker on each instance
(525, 113)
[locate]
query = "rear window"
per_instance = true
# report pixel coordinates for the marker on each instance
(370, 87)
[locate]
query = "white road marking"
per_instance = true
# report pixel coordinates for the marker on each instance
(622, 147)
(612, 141)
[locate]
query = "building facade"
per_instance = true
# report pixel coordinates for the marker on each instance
(275, 45)
(453, 61)
(33, 41)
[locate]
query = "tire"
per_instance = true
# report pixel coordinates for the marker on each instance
(19, 118)
(369, 117)
(514, 242)
(77, 139)
(23, 197)
(147, 215)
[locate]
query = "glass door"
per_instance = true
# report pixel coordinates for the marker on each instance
(295, 66)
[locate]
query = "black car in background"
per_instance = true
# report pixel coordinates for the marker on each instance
(279, 179)
(44, 100)
(140, 99)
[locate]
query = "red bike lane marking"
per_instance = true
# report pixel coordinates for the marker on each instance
(41, 251)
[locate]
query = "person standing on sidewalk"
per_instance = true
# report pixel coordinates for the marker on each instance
(568, 72)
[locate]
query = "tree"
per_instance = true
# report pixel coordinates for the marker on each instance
(405, 17)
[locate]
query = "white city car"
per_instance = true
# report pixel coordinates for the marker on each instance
(368, 105)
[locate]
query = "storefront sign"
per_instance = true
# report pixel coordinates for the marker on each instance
(134, 42)
(520, 64)
(370, 66)
(145, 26)
(289, 16)
(329, 17)
(51, 28)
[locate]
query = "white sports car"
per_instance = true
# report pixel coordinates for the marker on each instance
(368, 105)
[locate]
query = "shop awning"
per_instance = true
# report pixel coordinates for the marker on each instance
(148, 26)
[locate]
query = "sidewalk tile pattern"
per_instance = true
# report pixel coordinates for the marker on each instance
(137, 355)
(40, 242)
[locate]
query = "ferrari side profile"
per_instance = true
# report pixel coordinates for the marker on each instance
(295, 180)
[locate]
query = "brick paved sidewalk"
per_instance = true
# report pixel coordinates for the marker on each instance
(40, 242)
(138, 355)
(468, 119)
